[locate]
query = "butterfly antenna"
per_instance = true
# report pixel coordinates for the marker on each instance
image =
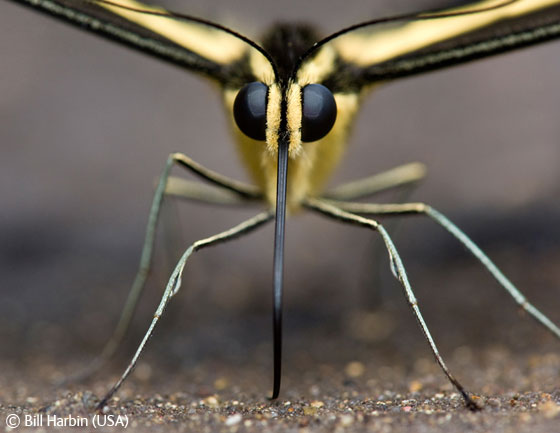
(279, 261)
(417, 16)
(184, 17)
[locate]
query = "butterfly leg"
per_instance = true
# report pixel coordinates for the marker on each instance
(174, 284)
(443, 221)
(406, 178)
(230, 189)
(207, 194)
(402, 175)
(329, 209)
(239, 188)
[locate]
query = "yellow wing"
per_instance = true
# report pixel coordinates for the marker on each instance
(377, 51)
(189, 42)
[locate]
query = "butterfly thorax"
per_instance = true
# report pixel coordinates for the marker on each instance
(286, 43)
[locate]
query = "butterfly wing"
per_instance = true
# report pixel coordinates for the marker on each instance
(378, 52)
(191, 43)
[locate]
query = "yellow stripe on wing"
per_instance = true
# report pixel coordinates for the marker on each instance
(212, 44)
(365, 48)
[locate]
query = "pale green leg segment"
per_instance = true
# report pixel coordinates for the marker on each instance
(402, 175)
(442, 220)
(493, 269)
(203, 193)
(234, 193)
(397, 267)
(174, 285)
(407, 176)
(240, 188)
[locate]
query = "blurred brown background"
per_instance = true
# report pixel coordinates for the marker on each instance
(86, 127)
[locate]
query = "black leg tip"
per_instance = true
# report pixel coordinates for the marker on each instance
(473, 404)
(101, 406)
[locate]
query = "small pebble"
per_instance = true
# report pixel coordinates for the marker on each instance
(233, 419)
(310, 410)
(346, 420)
(354, 369)
(415, 386)
(221, 383)
(211, 401)
(549, 409)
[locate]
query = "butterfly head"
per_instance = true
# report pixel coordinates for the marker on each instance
(294, 115)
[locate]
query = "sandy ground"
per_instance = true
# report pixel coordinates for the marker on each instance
(351, 370)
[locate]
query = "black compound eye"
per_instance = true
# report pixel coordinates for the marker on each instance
(319, 112)
(249, 110)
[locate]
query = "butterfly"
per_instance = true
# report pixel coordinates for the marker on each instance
(292, 98)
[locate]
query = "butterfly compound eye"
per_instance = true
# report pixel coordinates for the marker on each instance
(319, 112)
(249, 110)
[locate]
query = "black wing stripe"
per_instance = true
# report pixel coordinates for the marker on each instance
(505, 36)
(103, 22)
